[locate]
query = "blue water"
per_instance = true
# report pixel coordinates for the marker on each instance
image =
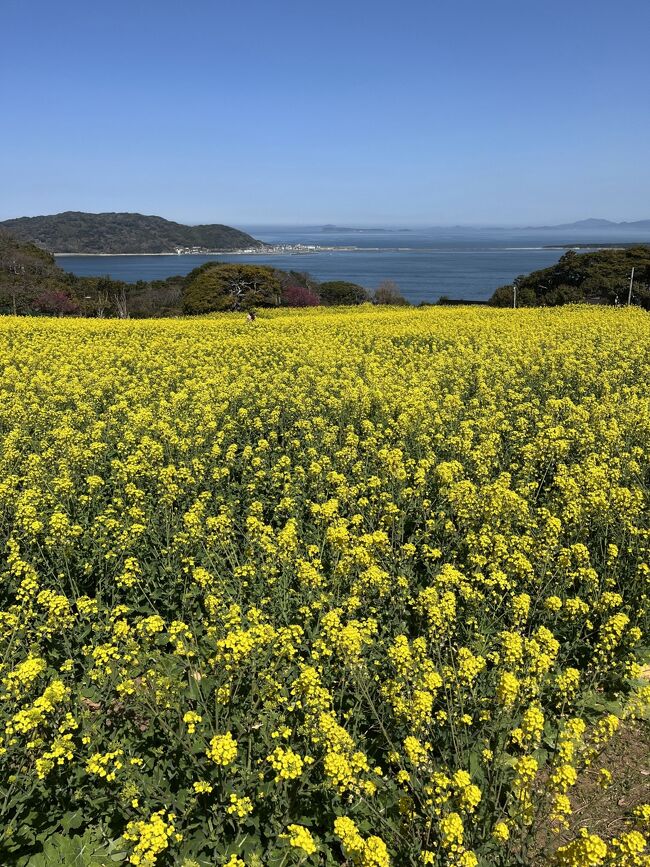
(425, 263)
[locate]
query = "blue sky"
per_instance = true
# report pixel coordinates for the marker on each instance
(270, 111)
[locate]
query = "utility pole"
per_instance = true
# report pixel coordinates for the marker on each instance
(514, 295)
(629, 294)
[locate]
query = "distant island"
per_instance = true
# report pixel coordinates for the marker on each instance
(330, 228)
(77, 232)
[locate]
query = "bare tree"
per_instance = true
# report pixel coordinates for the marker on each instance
(120, 302)
(103, 301)
(388, 292)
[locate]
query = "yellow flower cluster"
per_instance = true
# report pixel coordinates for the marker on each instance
(370, 852)
(287, 764)
(239, 807)
(222, 750)
(628, 850)
(150, 837)
(300, 838)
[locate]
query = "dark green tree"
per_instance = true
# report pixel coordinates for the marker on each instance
(336, 292)
(221, 287)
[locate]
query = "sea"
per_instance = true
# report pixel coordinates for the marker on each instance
(426, 263)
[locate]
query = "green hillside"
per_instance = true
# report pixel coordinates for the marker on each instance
(26, 272)
(597, 277)
(78, 232)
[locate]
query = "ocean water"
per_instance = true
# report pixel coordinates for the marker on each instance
(425, 263)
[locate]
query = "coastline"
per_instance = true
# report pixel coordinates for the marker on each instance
(270, 251)
(305, 251)
(177, 255)
(220, 253)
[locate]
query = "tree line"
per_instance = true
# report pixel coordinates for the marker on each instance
(597, 277)
(31, 283)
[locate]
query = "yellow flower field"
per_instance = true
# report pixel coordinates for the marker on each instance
(357, 586)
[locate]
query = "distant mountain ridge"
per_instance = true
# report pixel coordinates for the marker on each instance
(80, 232)
(595, 223)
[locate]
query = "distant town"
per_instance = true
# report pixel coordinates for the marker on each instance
(268, 249)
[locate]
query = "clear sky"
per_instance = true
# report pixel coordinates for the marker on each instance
(271, 111)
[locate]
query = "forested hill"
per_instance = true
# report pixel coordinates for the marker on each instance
(77, 232)
(597, 277)
(25, 264)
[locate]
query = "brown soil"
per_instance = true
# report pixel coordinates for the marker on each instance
(606, 812)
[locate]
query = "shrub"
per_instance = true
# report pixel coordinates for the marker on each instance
(340, 292)
(55, 302)
(299, 296)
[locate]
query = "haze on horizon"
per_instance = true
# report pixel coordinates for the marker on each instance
(443, 114)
